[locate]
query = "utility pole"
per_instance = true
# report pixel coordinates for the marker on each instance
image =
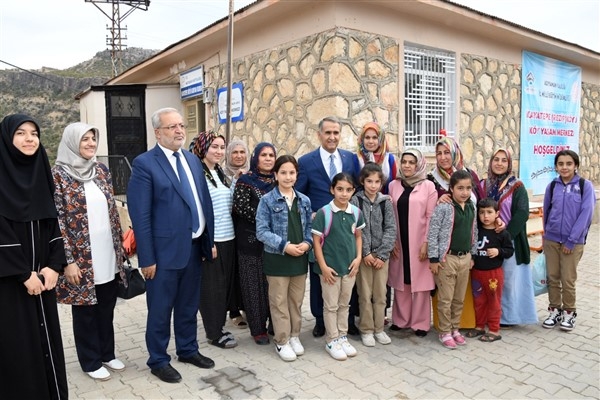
(229, 68)
(116, 40)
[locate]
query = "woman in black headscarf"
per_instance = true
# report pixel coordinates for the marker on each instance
(248, 191)
(31, 257)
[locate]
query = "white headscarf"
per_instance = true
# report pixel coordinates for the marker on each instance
(68, 156)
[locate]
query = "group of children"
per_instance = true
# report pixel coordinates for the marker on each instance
(462, 242)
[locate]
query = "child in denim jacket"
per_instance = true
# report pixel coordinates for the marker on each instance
(283, 224)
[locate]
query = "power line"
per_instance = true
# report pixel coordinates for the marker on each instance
(29, 72)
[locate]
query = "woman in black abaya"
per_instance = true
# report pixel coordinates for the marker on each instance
(31, 256)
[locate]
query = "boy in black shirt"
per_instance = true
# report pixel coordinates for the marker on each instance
(487, 276)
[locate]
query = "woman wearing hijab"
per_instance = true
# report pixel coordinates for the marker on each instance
(236, 160)
(518, 301)
(449, 158)
(414, 198)
(217, 275)
(372, 146)
(31, 257)
(248, 191)
(90, 225)
(237, 163)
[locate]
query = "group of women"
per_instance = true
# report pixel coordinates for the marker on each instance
(54, 220)
(414, 190)
(415, 196)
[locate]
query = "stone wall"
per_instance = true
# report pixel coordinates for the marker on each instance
(490, 115)
(287, 90)
(354, 76)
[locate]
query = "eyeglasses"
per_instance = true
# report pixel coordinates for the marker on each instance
(172, 127)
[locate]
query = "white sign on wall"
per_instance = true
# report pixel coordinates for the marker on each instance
(237, 103)
(192, 83)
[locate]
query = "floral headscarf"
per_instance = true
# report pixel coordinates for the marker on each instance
(421, 170)
(202, 141)
(455, 153)
(378, 155)
(497, 185)
(199, 146)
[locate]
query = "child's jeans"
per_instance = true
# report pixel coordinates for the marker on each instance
(336, 303)
(451, 280)
(487, 296)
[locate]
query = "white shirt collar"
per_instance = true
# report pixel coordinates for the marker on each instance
(335, 208)
(325, 154)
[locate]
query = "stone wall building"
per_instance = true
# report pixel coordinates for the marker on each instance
(359, 61)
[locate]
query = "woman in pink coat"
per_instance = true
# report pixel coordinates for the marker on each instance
(414, 198)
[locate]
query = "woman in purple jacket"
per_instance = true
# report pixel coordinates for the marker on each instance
(568, 208)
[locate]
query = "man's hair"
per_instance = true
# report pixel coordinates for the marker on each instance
(329, 119)
(157, 114)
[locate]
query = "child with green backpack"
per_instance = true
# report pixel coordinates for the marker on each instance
(337, 245)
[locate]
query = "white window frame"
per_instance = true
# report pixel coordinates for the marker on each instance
(429, 93)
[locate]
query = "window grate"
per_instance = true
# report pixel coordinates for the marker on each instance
(429, 90)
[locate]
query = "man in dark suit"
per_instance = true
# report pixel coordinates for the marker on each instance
(316, 169)
(171, 211)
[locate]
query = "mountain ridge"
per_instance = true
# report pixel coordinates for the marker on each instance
(48, 94)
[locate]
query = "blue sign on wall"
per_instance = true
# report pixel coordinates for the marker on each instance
(550, 106)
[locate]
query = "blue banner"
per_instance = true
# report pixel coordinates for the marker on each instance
(550, 107)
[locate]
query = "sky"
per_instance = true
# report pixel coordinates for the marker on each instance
(63, 33)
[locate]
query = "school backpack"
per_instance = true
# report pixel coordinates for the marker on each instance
(328, 214)
(381, 205)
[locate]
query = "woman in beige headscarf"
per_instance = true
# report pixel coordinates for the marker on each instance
(414, 198)
(89, 223)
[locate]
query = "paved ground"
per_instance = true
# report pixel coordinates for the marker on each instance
(530, 362)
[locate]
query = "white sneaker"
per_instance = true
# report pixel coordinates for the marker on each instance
(382, 338)
(568, 320)
(347, 347)
(335, 350)
(296, 345)
(115, 365)
(286, 353)
(367, 339)
(101, 374)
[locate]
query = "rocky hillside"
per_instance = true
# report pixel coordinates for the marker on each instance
(48, 94)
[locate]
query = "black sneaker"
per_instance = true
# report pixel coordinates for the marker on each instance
(568, 320)
(553, 319)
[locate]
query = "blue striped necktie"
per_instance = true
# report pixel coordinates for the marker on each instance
(332, 168)
(187, 192)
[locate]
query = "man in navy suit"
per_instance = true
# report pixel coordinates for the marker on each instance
(314, 180)
(172, 216)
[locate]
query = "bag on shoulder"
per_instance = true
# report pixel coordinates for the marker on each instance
(129, 242)
(328, 213)
(539, 275)
(136, 284)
